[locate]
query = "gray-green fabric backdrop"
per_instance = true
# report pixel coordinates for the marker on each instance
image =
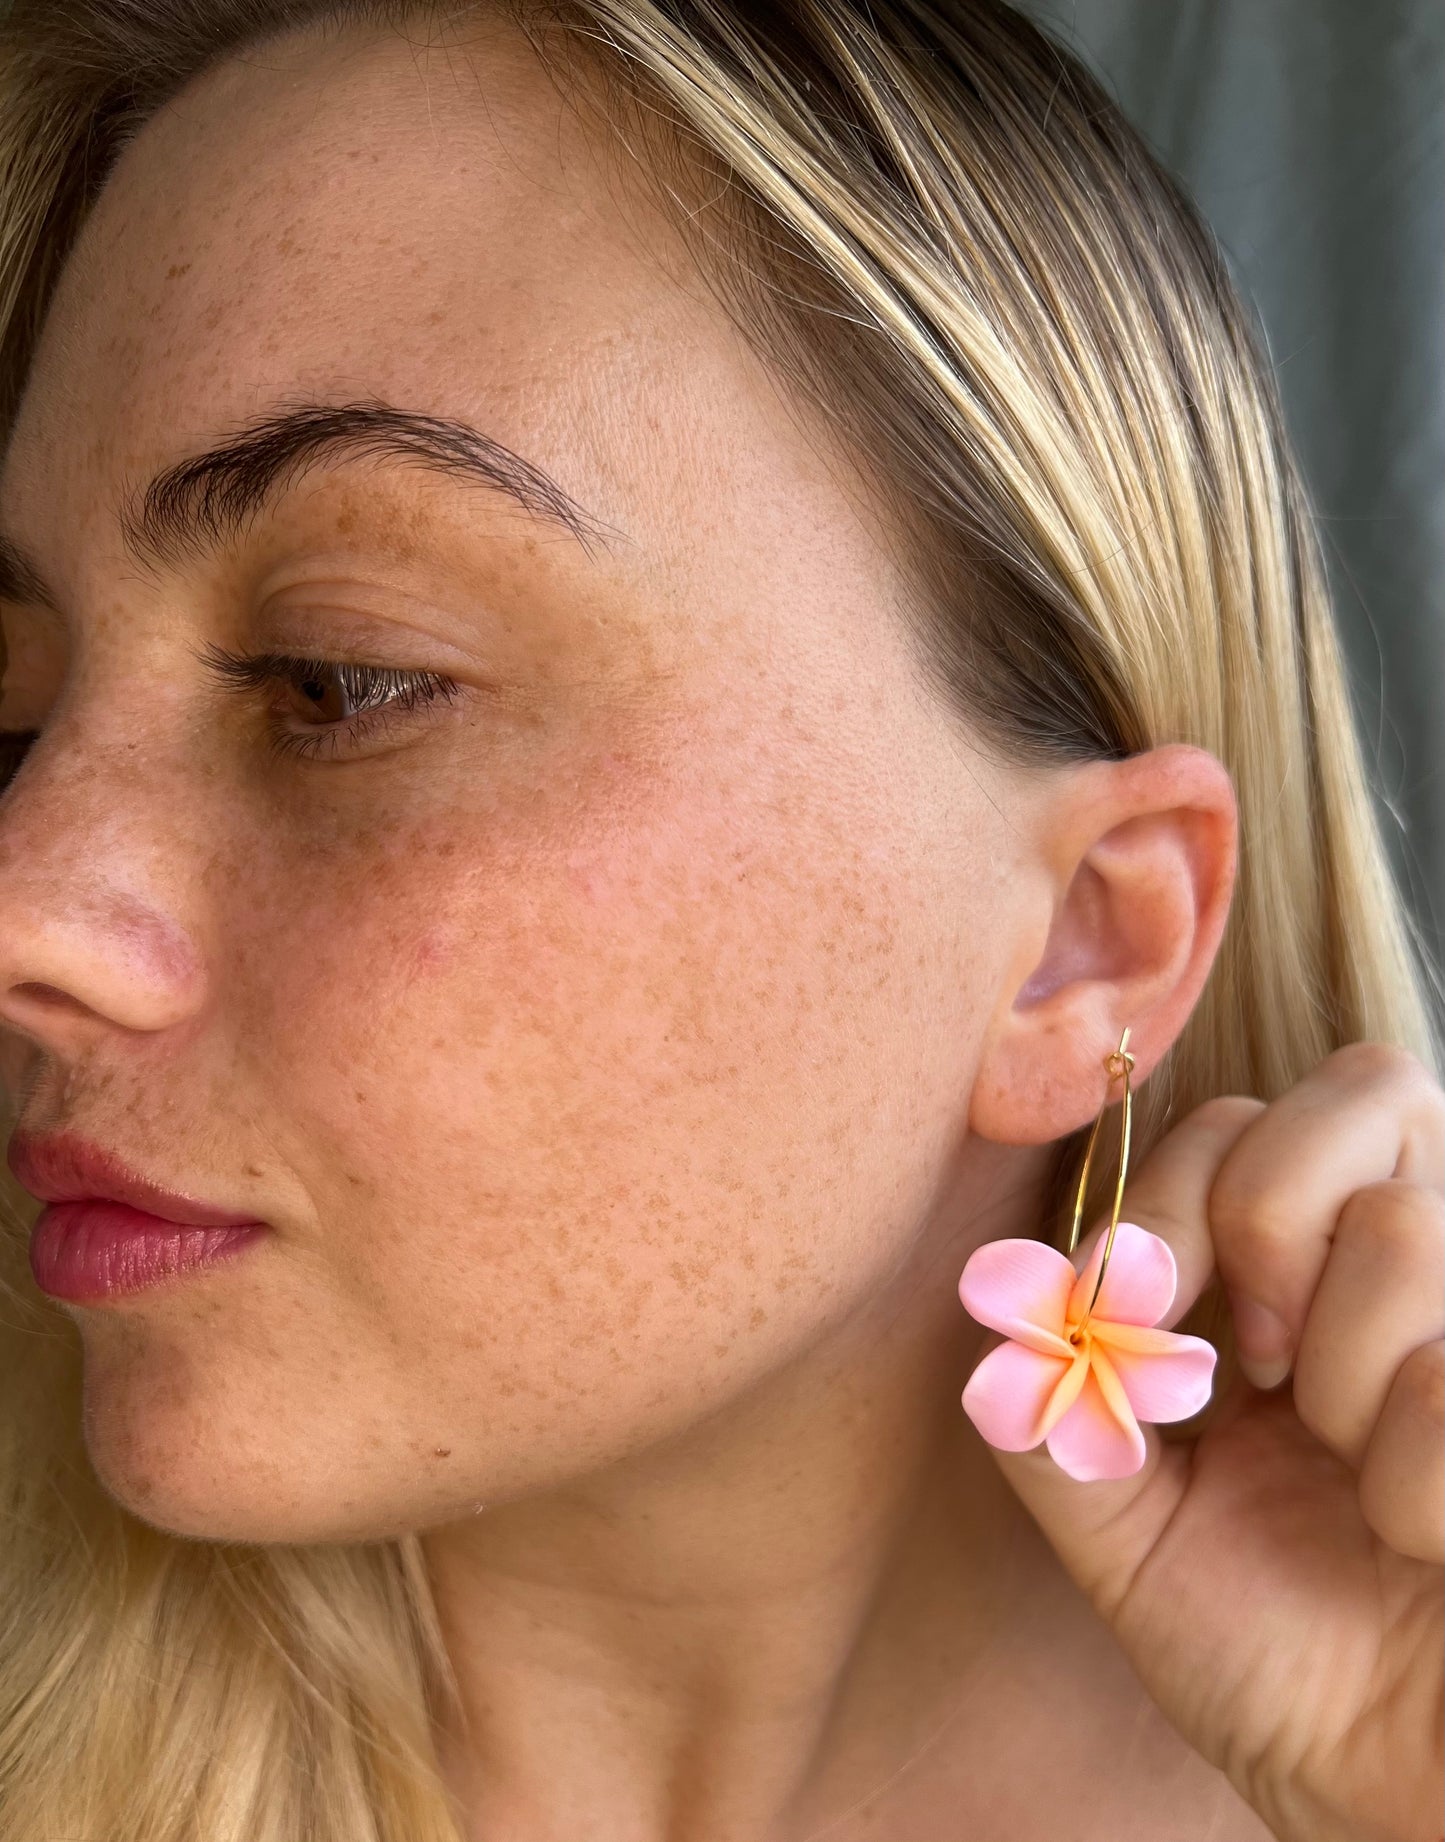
(1312, 135)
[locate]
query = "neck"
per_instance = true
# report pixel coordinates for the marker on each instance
(739, 1632)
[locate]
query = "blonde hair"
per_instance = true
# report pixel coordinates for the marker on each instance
(948, 242)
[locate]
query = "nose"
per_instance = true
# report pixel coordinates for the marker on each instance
(94, 832)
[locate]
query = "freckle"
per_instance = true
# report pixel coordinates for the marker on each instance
(759, 1317)
(176, 270)
(360, 1095)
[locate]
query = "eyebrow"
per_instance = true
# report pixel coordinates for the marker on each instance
(200, 503)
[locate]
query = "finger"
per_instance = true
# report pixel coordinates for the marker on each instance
(1381, 1295)
(1402, 1481)
(1366, 1113)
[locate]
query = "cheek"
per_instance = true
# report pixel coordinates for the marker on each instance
(578, 1113)
(433, 951)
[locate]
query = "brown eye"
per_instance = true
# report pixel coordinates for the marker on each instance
(349, 700)
(327, 699)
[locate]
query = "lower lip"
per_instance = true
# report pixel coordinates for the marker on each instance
(97, 1249)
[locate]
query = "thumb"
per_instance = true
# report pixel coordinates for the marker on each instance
(1104, 1531)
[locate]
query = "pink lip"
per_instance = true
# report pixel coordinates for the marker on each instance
(87, 1251)
(63, 1167)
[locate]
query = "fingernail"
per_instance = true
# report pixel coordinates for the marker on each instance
(1263, 1341)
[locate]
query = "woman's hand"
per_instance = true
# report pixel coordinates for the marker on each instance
(1277, 1583)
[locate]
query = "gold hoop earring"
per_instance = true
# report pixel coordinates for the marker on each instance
(1118, 1062)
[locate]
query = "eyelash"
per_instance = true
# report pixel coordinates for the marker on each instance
(14, 744)
(246, 673)
(364, 686)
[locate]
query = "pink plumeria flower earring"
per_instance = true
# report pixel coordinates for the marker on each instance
(1084, 1363)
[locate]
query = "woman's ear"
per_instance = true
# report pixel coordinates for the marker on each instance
(1136, 863)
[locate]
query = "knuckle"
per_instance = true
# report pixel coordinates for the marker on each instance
(1227, 1113)
(1253, 1221)
(1395, 1221)
(1420, 1384)
(1374, 1062)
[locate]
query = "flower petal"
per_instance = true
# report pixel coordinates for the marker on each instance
(1111, 1387)
(1139, 1285)
(1161, 1384)
(1066, 1391)
(1089, 1443)
(1138, 1339)
(1008, 1393)
(1020, 1287)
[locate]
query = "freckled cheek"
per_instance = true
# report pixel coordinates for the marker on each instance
(335, 958)
(425, 974)
(432, 951)
(523, 963)
(588, 879)
(551, 1079)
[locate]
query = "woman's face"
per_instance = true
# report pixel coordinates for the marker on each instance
(593, 1040)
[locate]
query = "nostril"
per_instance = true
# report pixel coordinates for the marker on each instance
(40, 994)
(34, 1007)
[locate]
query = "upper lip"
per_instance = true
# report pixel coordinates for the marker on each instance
(62, 1167)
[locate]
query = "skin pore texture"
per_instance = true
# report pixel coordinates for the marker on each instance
(627, 1054)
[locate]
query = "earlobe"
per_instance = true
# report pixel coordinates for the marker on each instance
(1039, 1075)
(1143, 854)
